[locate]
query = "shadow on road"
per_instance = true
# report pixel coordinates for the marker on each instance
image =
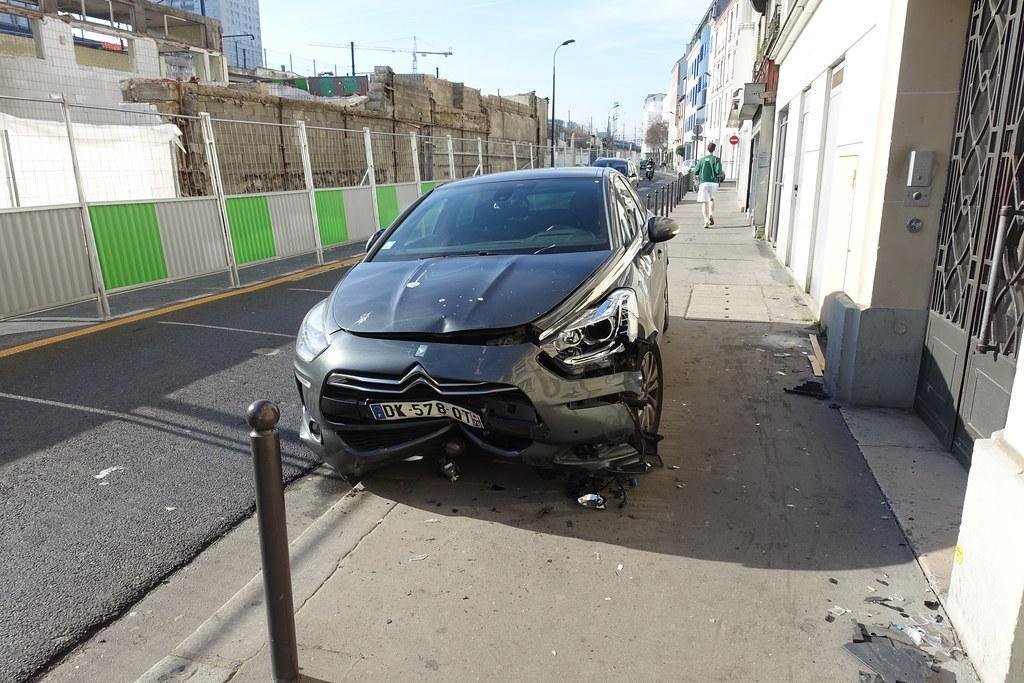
(764, 478)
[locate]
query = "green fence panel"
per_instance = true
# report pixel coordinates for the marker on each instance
(251, 232)
(387, 204)
(330, 212)
(427, 186)
(128, 244)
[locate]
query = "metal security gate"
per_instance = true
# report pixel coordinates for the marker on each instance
(977, 301)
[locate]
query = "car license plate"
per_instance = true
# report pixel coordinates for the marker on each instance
(412, 410)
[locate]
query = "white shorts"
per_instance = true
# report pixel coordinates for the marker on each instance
(706, 192)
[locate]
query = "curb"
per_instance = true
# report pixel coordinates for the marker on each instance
(237, 632)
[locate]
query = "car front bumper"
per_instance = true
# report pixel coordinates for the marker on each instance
(530, 413)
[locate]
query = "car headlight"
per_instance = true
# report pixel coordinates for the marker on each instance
(597, 333)
(312, 339)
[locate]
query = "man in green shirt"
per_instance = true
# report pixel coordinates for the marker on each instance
(708, 172)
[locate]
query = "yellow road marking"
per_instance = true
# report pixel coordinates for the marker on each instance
(191, 303)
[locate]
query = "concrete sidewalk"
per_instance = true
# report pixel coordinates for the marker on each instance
(720, 567)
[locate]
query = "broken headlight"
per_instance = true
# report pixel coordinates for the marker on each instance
(312, 339)
(597, 333)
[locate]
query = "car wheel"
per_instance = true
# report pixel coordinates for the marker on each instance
(653, 388)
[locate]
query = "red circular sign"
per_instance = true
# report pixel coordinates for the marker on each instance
(734, 139)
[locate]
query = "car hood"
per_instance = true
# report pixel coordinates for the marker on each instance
(457, 294)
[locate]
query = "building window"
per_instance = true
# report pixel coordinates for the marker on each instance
(17, 34)
(96, 47)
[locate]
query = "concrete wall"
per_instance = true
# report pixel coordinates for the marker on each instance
(986, 594)
(55, 69)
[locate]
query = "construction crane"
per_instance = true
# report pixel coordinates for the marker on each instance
(415, 52)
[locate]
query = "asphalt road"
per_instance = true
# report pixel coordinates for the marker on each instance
(125, 453)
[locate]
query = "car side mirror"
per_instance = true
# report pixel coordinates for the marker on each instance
(661, 229)
(373, 239)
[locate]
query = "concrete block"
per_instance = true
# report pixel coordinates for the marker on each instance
(873, 355)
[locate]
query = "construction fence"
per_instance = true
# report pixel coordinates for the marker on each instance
(92, 209)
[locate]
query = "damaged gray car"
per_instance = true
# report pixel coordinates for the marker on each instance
(516, 315)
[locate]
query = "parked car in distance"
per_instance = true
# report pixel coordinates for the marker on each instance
(517, 315)
(623, 166)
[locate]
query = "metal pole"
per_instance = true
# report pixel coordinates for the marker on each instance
(451, 158)
(553, 107)
(213, 166)
(12, 179)
(1005, 214)
(531, 156)
(515, 162)
(352, 54)
(415, 162)
(479, 157)
(307, 172)
(372, 174)
(102, 304)
(270, 514)
(648, 201)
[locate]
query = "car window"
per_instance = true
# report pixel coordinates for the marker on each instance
(636, 206)
(625, 211)
(547, 215)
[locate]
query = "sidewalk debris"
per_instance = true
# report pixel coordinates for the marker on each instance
(889, 657)
(103, 474)
(808, 388)
(594, 501)
(418, 558)
(832, 613)
(449, 470)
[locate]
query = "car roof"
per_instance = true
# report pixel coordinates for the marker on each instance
(534, 174)
(610, 159)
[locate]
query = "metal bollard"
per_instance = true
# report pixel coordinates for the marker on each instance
(648, 201)
(270, 513)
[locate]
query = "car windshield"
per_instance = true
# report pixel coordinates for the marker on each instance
(534, 216)
(618, 164)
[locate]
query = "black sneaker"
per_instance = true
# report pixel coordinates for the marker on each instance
(711, 221)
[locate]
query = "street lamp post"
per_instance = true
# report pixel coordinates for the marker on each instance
(608, 129)
(564, 43)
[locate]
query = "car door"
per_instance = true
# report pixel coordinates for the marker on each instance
(649, 263)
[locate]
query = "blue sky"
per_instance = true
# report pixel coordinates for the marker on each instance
(624, 49)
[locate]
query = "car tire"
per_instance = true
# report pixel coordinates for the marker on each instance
(653, 380)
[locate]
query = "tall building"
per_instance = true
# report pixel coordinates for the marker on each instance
(732, 61)
(238, 18)
(651, 114)
(697, 80)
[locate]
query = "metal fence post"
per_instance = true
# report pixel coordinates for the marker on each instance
(213, 166)
(102, 303)
(372, 175)
(416, 162)
(8, 159)
(479, 157)
(307, 172)
(265, 443)
(451, 158)
(515, 161)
